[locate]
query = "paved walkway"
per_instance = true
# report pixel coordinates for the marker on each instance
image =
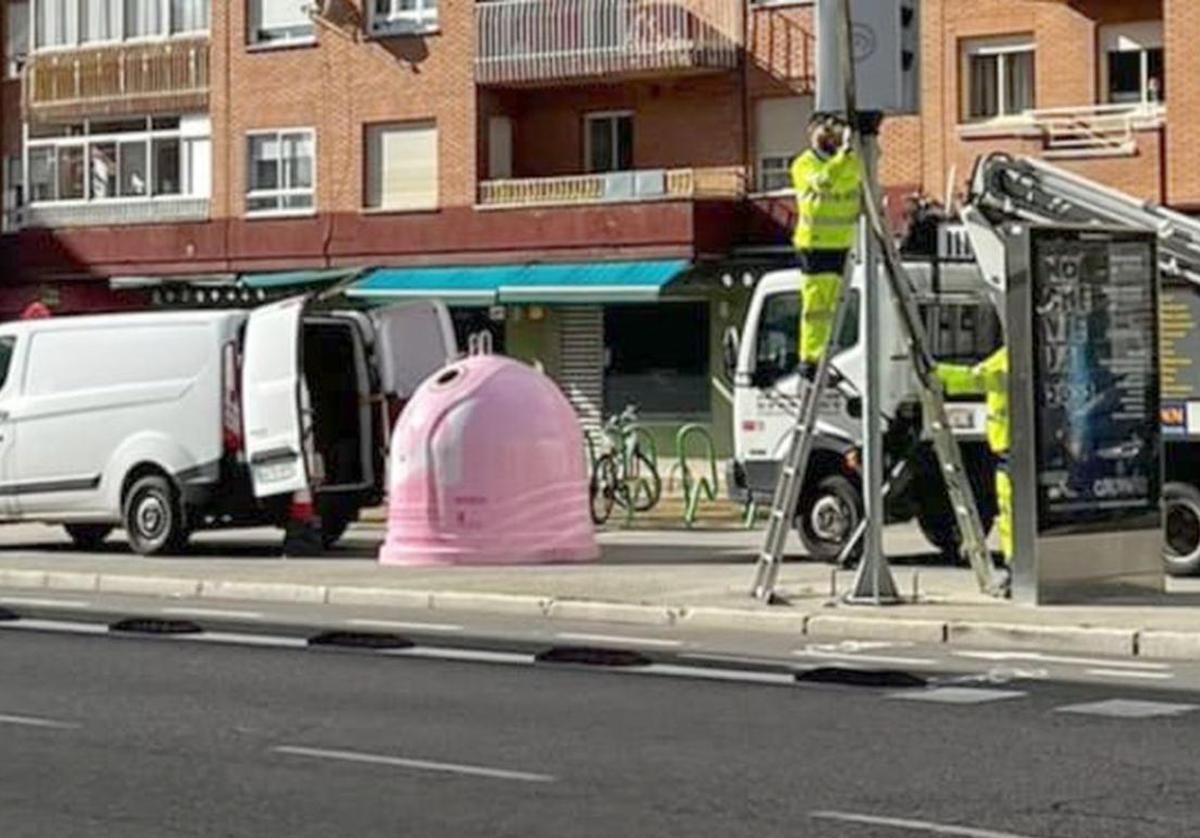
(644, 576)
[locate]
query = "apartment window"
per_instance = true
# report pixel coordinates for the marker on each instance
(1132, 63)
(69, 23)
(998, 77)
(403, 17)
(781, 133)
(656, 357)
(402, 166)
(110, 160)
(276, 22)
(609, 142)
(281, 178)
(16, 37)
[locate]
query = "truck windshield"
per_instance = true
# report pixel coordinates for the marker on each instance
(776, 346)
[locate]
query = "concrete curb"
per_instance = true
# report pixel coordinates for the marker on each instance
(1124, 642)
(1090, 640)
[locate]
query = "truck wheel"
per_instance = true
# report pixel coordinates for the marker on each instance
(154, 519)
(88, 536)
(828, 517)
(1181, 529)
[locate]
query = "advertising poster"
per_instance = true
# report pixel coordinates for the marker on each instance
(1096, 374)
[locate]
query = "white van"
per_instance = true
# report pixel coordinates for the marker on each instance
(168, 422)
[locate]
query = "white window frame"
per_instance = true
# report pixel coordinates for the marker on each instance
(1001, 47)
(13, 63)
(420, 21)
(593, 116)
(402, 125)
(1141, 37)
(770, 165)
(281, 191)
(286, 42)
(167, 34)
(88, 139)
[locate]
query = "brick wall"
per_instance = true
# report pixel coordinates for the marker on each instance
(338, 87)
(1183, 101)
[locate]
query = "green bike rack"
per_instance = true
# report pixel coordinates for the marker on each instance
(696, 487)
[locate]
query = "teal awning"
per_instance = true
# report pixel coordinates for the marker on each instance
(286, 279)
(576, 282)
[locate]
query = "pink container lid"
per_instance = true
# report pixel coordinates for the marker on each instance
(487, 467)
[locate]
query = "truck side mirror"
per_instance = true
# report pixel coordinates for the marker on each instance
(730, 344)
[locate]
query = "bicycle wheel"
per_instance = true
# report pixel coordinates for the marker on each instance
(647, 485)
(602, 488)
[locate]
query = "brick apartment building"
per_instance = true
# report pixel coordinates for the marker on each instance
(595, 181)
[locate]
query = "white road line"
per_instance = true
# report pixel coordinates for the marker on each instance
(1125, 673)
(416, 764)
(1069, 661)
(469, 655)
(32, 721)
(927, 827)
(245, 639)
(746, 676)
(617, 638)
(213, 612)
(66, 626)
(1120, 708)
(957, 695)
(45, 603)
(843, 656)
(404, 626)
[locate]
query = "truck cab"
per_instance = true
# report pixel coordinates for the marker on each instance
(962, 328)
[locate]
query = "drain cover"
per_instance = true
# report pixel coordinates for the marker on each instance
(6, 615)
(154, 625)
(591, 656)
(360, 640)
(846, 676)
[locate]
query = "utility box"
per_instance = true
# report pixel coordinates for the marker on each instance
(887, 52)
(1086, 447)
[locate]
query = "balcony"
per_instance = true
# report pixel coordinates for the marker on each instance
(723, 183)
(545, 42)
(1077, 132)
(126, 79)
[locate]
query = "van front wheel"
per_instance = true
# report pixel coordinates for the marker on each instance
(154, 518)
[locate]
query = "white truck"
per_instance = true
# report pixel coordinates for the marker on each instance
(963, 328)
(168, 422)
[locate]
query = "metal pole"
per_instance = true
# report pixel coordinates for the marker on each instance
(873, 584)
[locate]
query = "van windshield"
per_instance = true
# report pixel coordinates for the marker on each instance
(776, 347)
(7, 344)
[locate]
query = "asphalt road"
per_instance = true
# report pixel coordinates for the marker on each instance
(139, 738)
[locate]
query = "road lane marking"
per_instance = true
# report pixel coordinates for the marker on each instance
(245, 639)
(467, 655)
(748, 676)
(928, 827)
(830, 654)
(1121, 708)
(1126, 673)
(28, 624)
(213, 612)
(1069, 661)
(45, 603)
(404, 626)
(415, 764)
(33, 721)
(618, 638)
(957, 695)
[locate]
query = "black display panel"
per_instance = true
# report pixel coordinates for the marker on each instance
(1095, 377)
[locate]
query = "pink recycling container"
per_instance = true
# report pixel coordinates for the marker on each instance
(487, 467)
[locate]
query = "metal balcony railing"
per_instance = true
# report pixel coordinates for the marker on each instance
(539, 41)
(1095, 130)
(124, 78)
(644, 185)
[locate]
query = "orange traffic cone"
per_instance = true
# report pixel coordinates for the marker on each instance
(302, 532)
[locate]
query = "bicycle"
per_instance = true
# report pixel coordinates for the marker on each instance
(624, 473)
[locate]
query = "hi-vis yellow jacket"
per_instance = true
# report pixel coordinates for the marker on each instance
(828, 200)
(990, 378)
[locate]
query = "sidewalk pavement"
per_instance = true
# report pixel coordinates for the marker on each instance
(697, 578)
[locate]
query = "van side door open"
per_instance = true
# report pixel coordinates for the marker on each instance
(413, 340)
(275, 425)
